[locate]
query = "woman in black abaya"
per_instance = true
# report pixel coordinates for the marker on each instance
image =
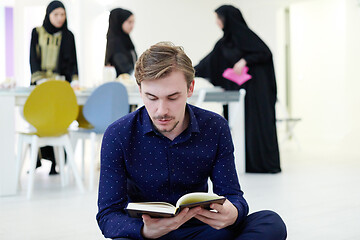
(52, 55)
(52, 49)
(240, 47)
(120, 51)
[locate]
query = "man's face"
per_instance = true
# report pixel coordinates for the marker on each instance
(165, 101)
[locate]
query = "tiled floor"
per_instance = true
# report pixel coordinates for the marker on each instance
(317, 194)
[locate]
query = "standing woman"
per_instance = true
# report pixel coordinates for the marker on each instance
(240, 47)
(52, 49)
(120, 51)
(52, 55)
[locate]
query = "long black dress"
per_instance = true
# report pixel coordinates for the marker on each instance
(52, 53)
(120, 51)
(238, 41)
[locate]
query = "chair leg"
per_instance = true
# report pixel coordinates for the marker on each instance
(82, 158)
(291, 135)
(72, 164)
(19, 159)
(33, 159)
(75, 139)
(61, 164)
(23, 157)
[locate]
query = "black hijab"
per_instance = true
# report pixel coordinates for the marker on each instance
(237, 34)
(67, 63)
(116, 19)
(47, 24)
(117, 39)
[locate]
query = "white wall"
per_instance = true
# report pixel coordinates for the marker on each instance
(352, 75)
(27, 15)
(325, 77)
(318, 57)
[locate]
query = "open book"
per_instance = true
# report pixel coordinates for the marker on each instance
(163, 209)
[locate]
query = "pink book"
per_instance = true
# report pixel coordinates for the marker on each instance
(236, 78)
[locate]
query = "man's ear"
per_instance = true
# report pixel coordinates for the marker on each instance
(191, 88)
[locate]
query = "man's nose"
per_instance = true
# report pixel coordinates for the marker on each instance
(162, 108)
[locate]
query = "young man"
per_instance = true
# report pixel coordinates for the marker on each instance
(166, 149)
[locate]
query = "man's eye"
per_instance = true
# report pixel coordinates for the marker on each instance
(174, 97)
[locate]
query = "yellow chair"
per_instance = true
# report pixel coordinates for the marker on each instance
(83, 123)
(51, 107)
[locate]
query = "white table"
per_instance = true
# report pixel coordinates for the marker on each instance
(9, 99)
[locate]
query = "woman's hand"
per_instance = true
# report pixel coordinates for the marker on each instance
(238, 67)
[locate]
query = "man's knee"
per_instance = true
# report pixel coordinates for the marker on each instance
(271, 223)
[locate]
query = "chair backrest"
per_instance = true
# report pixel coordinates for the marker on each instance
(201, 98)
(51, 107)
(83, 123)
(106, 104)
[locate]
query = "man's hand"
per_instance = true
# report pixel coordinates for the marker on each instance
(238, 67)
(157, 227)
(226, 215)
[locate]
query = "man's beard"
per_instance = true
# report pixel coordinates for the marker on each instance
(166, 118)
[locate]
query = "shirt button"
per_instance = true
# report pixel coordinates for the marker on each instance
(173, 170)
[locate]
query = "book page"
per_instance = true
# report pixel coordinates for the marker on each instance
(162, 207)
(197, 197)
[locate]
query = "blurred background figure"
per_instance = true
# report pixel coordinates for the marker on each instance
(52, 49)
(120, 51)
(240, 47)
(52, 56)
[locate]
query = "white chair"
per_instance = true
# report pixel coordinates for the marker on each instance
(201, 98)
(286, 123)
(51, 107)
(202, 87)
(237, 126)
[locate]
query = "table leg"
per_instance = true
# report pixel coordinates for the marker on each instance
(8, 183)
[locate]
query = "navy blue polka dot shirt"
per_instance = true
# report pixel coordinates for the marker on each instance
(140, 164)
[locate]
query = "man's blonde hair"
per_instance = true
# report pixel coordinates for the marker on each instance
(160, 60)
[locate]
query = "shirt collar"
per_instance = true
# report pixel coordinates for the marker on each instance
(193, 123)
(149, 127)
(146, 121)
